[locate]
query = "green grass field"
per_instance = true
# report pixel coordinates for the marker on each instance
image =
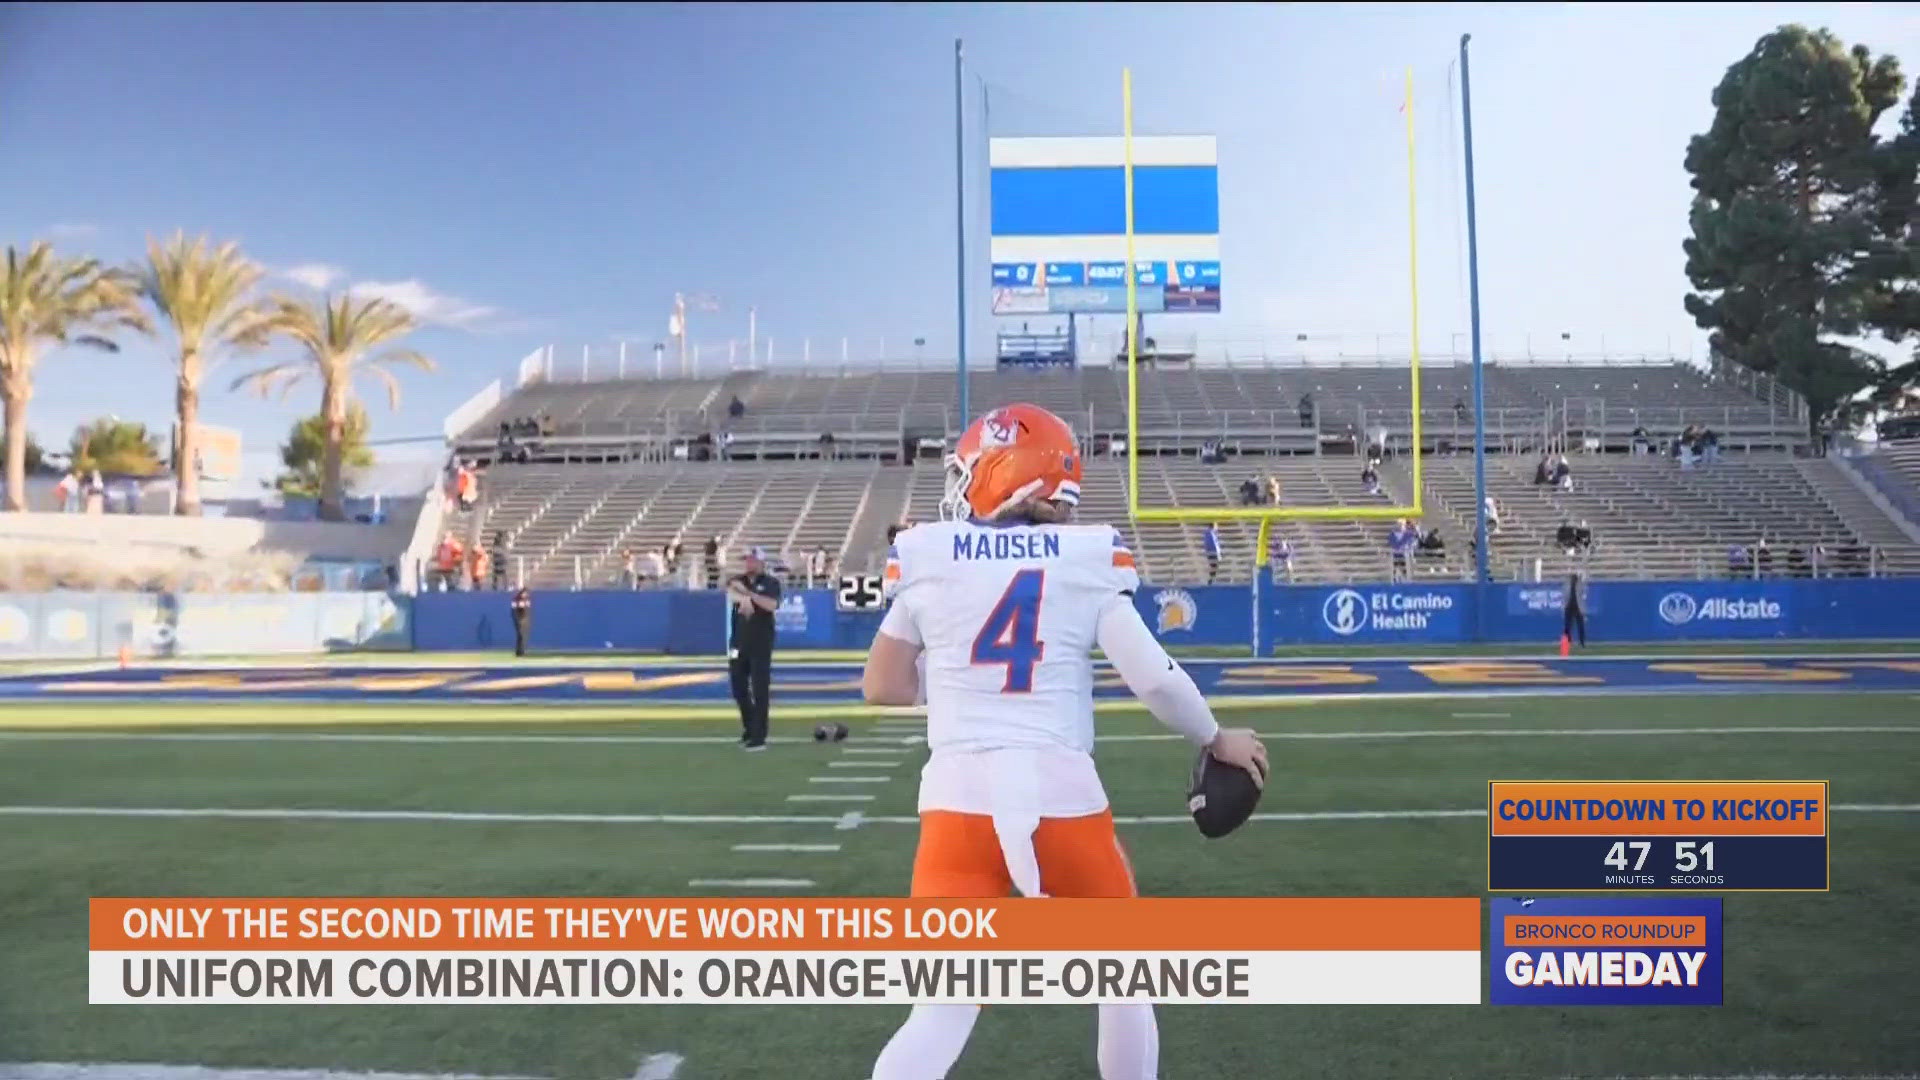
(1815, 983)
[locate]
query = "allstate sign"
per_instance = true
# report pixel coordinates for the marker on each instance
(1681, 609)
(1390, 614)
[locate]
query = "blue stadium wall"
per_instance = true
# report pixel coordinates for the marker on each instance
(1410, 616)
(1223, 616)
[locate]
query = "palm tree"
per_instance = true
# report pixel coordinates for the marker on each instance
(339, 336)
(116, 447)
(47, 300)
(207, 296)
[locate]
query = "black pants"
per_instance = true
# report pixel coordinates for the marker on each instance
(1574, 620)
(750, 663)
(520, 628)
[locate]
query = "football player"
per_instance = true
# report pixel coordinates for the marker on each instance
(996, 611)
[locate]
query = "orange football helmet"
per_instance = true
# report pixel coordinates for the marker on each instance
(1011, 455)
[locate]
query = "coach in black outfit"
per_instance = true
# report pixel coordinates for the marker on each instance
(1573, 616)
(754, 596)
(522, 620)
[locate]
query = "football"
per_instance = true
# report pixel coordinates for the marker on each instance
(829, 732)
(1221, 797)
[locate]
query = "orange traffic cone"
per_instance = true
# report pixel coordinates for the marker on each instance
(1566, 646)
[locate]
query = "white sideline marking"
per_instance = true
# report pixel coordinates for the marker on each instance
(750, 883)
(659, 1067)
(829, 798)
(732, 741)
(848, 779)
(53, 1070)
(1482, 716)
(849, 821)
(786, 847)
(863, 764)
(839, 821)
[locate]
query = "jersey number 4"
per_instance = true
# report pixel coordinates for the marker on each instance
(1011, 635)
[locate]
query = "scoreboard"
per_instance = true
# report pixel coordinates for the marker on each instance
(1655, 836)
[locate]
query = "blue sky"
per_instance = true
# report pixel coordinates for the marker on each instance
(554, 174)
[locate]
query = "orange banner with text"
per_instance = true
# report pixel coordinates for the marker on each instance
(409, 950)
(1658, 808)
(446, 923)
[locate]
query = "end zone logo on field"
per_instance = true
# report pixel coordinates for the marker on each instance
(1592, 951)
(1348, 611)
(1679, 609)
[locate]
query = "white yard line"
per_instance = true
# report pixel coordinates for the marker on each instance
(433, 739)
(751, 883)
(652, 1067)
(787, 847)
(863, 764)
(829, 798)
(848, 779)
(839, 820)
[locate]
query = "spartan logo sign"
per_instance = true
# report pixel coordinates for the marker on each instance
(1345, 612)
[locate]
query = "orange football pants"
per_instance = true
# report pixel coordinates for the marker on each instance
(959, 856)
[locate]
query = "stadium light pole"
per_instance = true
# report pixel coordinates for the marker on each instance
(1481, 558)
(960, 226)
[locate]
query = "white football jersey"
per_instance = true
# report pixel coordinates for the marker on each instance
(1007, 616)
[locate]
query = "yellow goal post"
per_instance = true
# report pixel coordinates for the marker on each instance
(1264, 514)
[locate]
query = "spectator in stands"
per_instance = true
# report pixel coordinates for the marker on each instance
(1306, 410)
(95, 493)
(478, 561)
(1433, 547)
(1378, 446)
(1459, 412)
(1280, 558)
(819, 567)
(1212, 452)
(1249, 492)
(1709, 446)
(466, 486)
(1797, 562)
(1370, 476)
(1543, 472)
(1564, 537)
(1642, 441)
(712, 559)
(1739, 561)
(1491, 509)
(1762, 558)
(736, 408)
(826, 444)
(446, 561)
(1562, 474)
(499, 560)
(1273, 491)
(1401, 543)
(629, 569)
(64, 491)
(1211, 541)
(1583, 536)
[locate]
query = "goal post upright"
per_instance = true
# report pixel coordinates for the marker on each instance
(1265, 514)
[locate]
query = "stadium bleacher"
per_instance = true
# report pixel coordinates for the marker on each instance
(633, 464)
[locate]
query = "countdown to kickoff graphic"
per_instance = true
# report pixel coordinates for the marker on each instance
(1657, 836)
(374, 951)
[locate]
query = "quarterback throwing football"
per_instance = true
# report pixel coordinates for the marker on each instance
(996, 611)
